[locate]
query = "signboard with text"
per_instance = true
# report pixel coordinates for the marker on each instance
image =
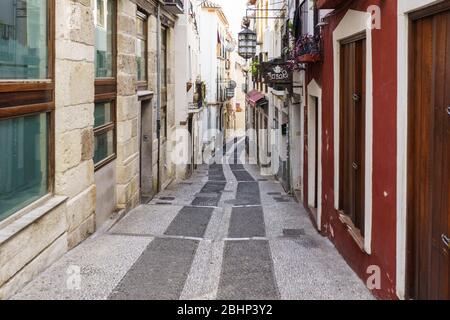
(276, 73)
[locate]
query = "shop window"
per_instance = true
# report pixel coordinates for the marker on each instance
(26, 105)
(23, 161)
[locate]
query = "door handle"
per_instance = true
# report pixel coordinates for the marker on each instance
(446, 241)
(356, 97)
(448, 110)
(355, 166)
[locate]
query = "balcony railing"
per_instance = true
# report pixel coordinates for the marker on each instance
(174, 6)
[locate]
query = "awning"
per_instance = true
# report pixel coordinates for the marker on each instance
(254, 96)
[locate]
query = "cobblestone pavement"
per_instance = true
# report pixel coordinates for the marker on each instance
(226, 233)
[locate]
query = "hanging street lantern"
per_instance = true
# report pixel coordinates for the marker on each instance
(247, 43)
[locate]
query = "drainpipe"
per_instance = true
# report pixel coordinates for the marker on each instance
(158, 89)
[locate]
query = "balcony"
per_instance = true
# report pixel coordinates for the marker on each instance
(329, 4)
(308, 49)
(174, 6)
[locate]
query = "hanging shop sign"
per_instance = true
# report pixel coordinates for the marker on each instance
(276, 73)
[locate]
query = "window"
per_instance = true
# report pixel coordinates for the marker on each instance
(104, 132)
(26, 105)
(163, 129)
(164, 57)
(304, 11)
(105, 83)
(23, 39)
(23, 162)
(141, 48)
(104, 28)
(163, 113)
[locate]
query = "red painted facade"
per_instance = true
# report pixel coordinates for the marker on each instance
(384, 65)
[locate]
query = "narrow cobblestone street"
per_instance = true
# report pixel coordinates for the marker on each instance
(226, 233)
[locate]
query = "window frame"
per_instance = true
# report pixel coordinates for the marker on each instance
(110, 126)
(142, 15)
(164, 45)
(24, 84)
(26, 97)
(106, 91)
(164, 81)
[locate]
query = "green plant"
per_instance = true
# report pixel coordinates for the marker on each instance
(291, 26)
(254, 68)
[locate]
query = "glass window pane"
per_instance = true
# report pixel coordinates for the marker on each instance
(23, 39)
(104, 19)
(102, 114)
(104, 146)
(141, 60)
(23, 162)
(164, 57)
(140, 27)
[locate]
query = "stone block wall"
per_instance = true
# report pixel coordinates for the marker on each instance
(66, 217)
(152, 24)
(61, 220)
(128, 195)
(74, 116)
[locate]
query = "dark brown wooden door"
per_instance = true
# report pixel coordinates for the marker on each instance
(316, 155)
(429, 158)
(352, 130)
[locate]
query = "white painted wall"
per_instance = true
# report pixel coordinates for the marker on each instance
(187, 69)
(208, 34)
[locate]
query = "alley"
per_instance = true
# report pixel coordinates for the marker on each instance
(225, 233)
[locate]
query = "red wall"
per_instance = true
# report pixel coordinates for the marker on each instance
(384, 149)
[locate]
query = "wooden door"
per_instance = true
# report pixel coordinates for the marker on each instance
(352, 130)
(316, 153)
(429, 158)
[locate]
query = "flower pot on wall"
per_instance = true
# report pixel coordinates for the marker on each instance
(309, 58)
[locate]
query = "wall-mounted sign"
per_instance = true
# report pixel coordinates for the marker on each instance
(276, 72)
(229, 93)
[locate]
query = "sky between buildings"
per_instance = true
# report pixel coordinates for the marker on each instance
(235, 11)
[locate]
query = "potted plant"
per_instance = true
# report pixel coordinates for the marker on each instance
(307, 49)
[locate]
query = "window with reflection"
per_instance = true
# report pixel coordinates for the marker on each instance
(141, 47)
(104, 132)
(23, 39)
(104, 13)
(164, 57)
(105, 82)
(23, 161)
(26, 110)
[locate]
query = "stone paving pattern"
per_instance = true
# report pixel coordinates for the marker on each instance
(226, 233)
